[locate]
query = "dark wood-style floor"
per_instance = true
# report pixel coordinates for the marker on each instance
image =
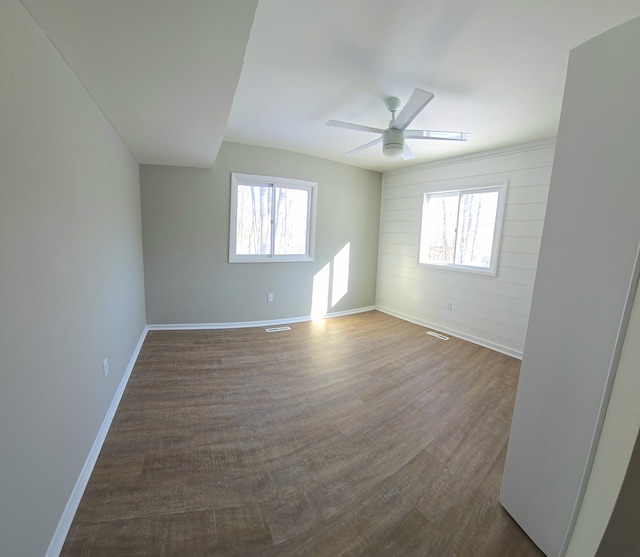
(357, 436)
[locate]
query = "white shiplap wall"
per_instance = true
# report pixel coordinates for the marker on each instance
(491, 311)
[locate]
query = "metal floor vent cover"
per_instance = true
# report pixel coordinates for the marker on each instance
(277, 329)
(437, 335)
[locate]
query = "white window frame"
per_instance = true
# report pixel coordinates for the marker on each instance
(466, 188)
(272, 181)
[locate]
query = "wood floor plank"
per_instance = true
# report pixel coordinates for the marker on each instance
(356, 436)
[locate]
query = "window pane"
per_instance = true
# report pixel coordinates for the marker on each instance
(438, 228)
(272, 219)
(292, 209)
(253, 220)
(476, 224)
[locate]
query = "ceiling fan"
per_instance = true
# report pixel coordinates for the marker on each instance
(393, 138)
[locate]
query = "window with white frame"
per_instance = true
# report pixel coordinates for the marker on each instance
(461, 228)
(272, 219)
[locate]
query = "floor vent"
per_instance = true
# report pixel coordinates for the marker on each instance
(277, 329)
(437, 335)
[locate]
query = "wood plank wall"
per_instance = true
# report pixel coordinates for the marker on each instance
(492, 311)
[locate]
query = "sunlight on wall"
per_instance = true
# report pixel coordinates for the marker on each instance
(323, 280)
(320, 295)
(340, 284)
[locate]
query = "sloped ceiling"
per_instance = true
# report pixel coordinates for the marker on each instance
(164, 72)
(170, 77)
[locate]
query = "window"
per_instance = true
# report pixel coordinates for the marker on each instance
(461, 228)
(272, 219)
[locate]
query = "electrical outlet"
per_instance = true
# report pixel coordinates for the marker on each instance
(450, 306)
(270, 297)
(105, 367)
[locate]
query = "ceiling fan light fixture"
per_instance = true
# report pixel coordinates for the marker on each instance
(392, 150)
(393, 143)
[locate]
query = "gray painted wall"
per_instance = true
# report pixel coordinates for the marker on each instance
(185, 218)
(584, 288)
(71, 279)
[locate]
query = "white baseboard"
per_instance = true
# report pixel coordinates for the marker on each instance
(59, 536)
(459, 334)
(246, 324)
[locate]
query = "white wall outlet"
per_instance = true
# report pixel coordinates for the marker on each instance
(270, 297)
(450, 306)
(105, 367)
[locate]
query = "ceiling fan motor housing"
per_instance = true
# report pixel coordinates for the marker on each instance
(393, 142)
(393, 138)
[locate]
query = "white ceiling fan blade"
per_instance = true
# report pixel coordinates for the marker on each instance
(357, 127)
(418, 100)
(365, 146)
(431, 134)
(407, 153)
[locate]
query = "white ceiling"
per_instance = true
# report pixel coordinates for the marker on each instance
(165, 72)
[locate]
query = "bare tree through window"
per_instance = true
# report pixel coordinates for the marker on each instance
(271, 219)
(458, 228)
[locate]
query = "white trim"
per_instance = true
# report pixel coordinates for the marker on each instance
(60, 535)
(64, 524)
(513, 149)
(276, 322)
(238, 179)
(464, 336)
(632, 291)
(455, 186)
(248, 324)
